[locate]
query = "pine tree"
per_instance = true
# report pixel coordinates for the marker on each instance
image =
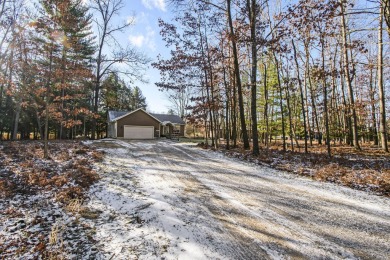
(116, 95)
(137, 99)
(75, 68)
(65, 44)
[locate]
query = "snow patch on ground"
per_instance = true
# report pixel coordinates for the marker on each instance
(136, 220)
(168, 200)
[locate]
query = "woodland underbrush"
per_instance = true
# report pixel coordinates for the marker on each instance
(40, 199)
(368, 169)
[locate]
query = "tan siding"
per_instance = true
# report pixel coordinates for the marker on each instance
(182, 130)
(138, 118)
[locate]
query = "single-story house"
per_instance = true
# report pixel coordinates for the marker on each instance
(139, 124)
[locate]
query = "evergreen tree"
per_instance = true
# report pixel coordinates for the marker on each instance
(171, 112)
(65, 43)
(77, 50)
(137, 99)
(116, 95)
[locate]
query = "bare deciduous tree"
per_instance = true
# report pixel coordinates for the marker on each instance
(134, 62)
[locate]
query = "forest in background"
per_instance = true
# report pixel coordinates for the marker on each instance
(308, 72)
(62, 68)
(248, 71)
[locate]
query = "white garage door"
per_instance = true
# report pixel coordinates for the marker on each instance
(138, 132)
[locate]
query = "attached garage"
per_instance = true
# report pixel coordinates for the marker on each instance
(138, 132)
(139, 124)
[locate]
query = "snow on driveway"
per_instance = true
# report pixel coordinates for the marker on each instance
(168, 200)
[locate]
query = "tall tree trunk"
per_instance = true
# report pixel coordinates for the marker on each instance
(302, 97)
(207, 73)
(227, 103)
(281, 102)
(234, 114)
(325, 92)
(347, 117)
(205, 117)
(312, 94)
(348, 79)
(95, 104)
(309, 129)
(266, 107)
(63, 69)
(47, 103)
(290, 123)
(386, 13)
(251, 5)
(335, 101)
(227, 128)
(238, 77)
(99, 60)
(210, 113)
(213, 119)
(382, 96)
(373, 109)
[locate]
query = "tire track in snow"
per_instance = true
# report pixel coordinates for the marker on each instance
(206, 231)
(238, 218)
(222, 208)
(318, 244)
(196, 194)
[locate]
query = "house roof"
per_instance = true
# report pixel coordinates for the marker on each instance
(115, 114)
(174, 119)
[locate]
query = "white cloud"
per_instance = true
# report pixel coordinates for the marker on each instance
(137, 40)
(150, 36)
(140, 18)
(159, 4)
(145, 40)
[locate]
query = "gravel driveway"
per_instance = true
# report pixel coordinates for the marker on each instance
(162, 199)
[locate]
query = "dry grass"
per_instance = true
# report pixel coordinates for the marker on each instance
(97, 156)
(54, 235)
(66, 176)
(68, 171)
(89, 214)
(368, 169)
(74, 206)
(56, 243)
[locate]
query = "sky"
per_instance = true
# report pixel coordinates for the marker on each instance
(145, 36)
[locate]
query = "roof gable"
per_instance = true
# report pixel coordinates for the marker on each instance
(174, 119)
(116, 115)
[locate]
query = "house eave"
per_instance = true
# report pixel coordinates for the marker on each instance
(131, 112)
